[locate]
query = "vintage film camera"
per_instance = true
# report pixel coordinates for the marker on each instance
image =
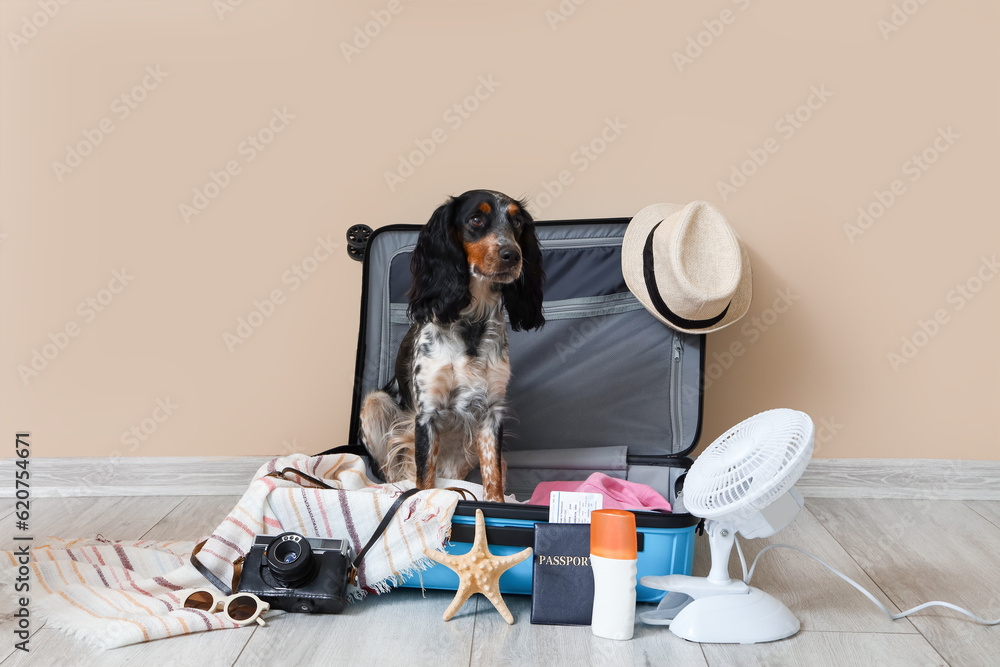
(298, 574)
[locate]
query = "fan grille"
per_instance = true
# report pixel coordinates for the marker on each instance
(750, 465)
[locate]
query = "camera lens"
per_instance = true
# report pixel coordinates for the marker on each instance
(287, 552)
(290, 559)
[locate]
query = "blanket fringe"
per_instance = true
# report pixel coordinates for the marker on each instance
(386, 585)
(100, 633)
(160, 569)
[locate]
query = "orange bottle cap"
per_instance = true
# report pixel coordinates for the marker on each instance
(612, 534)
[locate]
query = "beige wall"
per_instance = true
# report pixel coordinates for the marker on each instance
(831, 303)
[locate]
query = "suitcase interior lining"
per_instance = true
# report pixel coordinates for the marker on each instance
(602, 373)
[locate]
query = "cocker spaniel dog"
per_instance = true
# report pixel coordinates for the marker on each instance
(443, 413)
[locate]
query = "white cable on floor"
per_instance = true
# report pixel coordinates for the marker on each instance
(895, 617)
(743, 561)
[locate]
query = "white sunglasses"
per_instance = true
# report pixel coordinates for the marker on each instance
(240, 608)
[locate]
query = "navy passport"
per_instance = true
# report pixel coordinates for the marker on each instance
(562, 580)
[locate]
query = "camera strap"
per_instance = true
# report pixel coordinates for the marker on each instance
(391, 512)
(352, 573)
(205, 572)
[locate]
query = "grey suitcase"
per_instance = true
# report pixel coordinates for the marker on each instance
(603, 386)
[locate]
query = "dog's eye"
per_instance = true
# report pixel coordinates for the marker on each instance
(476, 221)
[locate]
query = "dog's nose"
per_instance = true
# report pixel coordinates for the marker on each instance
(510, 255)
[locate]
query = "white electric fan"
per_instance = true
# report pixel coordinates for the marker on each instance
(741, 483)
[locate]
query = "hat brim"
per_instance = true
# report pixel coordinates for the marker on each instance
(634, 242)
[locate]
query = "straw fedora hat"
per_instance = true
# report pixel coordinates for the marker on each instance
(686, 265)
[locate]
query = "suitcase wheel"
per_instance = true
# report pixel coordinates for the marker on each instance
(357, 241)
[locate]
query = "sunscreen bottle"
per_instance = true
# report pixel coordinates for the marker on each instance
(613, 556)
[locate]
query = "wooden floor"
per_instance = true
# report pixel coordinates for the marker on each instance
(905, 551)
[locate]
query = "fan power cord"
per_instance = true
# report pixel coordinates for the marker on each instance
(936, 603)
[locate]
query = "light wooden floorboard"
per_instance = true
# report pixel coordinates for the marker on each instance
(914, 551)
(114, 518)
(52, 648)
(819, 598)
(153, 518)
(193, 518)
(922, 550)
(401, 628)
(523, 644)
(988, 509)
(828, 649)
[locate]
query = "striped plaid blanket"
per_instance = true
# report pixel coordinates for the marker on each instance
(114, 593)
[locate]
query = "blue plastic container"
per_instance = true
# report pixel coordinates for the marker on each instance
(666, 545)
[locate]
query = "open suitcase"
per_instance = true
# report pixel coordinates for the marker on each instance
(603, 386)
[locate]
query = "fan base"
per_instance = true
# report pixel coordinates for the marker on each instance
(735, 619)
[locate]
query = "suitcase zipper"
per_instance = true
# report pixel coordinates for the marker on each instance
(607, 304)
(581, 243)
(676, 423)
(676, 430)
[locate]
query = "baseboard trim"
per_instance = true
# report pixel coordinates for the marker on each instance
(931, 479)
(216, 476)
(136, 476)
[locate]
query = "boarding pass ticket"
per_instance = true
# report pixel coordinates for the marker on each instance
(572, 506)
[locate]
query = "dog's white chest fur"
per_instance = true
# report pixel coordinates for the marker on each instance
(461, 376)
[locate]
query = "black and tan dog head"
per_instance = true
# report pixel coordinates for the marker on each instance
(479, 235)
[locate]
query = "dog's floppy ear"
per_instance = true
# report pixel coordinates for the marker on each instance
(440, 270)
(523, 297)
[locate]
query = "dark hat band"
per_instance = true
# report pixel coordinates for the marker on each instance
(654, 293)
